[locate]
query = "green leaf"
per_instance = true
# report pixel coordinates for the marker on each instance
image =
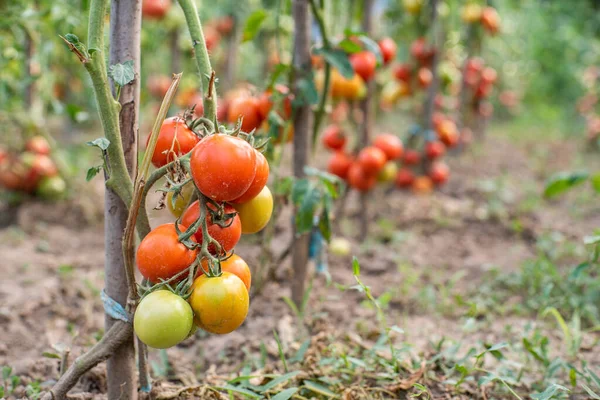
(325, 223)
(301, 351)
(355, 266)
(372, 47)
(299, 190)
(73, 39)
(596, 182)
(122, 74)
(564, 181)
(92, 172)
(529, 347)
(592, 394)
(593, 376)
(239, 390)
(280, 350)
(278, 381)
(587, 240)
(338, 59)
(277, 72)
(349, 46)
(283, 186)
(253, 24)
(306, 212)
(50, 355)
(549, 392)
(573, 377)
(319, 389)
(6, 372)
(285, 394)
(101, 143)
(2, 391)
(307, 92)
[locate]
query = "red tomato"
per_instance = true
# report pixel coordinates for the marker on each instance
(155, 9)
(402, 72)
(223, 167)
(359, 180)
(227, 237)
(38, 145)
(260, 179)
(448, 132)
(339, 164)
(334, 138)
(490, 20)
(390, 144)
(434, 149)
(439, 173)
(174, 138)
(421, 52)
(265, 102)
(224, 25)
(422, 185)
(161, 255)
(246, 108)
(364, 64)
(404, 178)
(424, 77)
(483, 90)
(222, 109)
(411, 157)
(388, 49)
(211, 37)
(371, 160)
(489, 75)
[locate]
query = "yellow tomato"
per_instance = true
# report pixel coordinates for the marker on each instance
(181, 202)
(256, 213)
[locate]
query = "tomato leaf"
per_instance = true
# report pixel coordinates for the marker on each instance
(299, 190)
(92, 172)
(285, 394)
(325, 223)
(372, 47)
(306, 212)
(253, 24)
(307, 92)
(338, 59)
(50, 355)
(101, 143)
(564, 181)
(284, 186)
(123, 74)
(349, 46)
(277, 71)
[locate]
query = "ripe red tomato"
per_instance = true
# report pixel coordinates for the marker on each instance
(155, 9)
(404, 178)
(334, 138)
(439, 173)
(390, 144)
(359, 180)
(38, 145)
(220, 303)
(371, 159)
(364, 64)
(174, 139)
(260, 179)
(388, 49)
(224, 25)
(339, 164)
(247, 108)
(489, 75)
(234, 265)
(402, 72)
(484, 89)
(265, 102)
(223, 167)
(161, 255)
(422, 185)
(421, 51)
(226, 237)
(411, 157)
(10, 178)
(490, 20)
(448, 133)
(434, 149)
(424, 77)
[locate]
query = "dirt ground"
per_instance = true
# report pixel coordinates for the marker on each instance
(51, 265)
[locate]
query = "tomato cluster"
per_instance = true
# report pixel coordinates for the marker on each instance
(372, 164)
(31, 170)
(488, 17)
(222, 194)
(480, 82)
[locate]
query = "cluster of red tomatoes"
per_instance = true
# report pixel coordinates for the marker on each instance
(372, 164)
(487, 16)
(480, 81)
(224, 196)
(31, 170)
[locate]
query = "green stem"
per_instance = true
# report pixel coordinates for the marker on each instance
(207, 85)
(320, 112)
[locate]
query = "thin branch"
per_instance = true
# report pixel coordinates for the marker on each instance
(320, 112)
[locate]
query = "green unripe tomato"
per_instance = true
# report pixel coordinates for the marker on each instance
(163, 319)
